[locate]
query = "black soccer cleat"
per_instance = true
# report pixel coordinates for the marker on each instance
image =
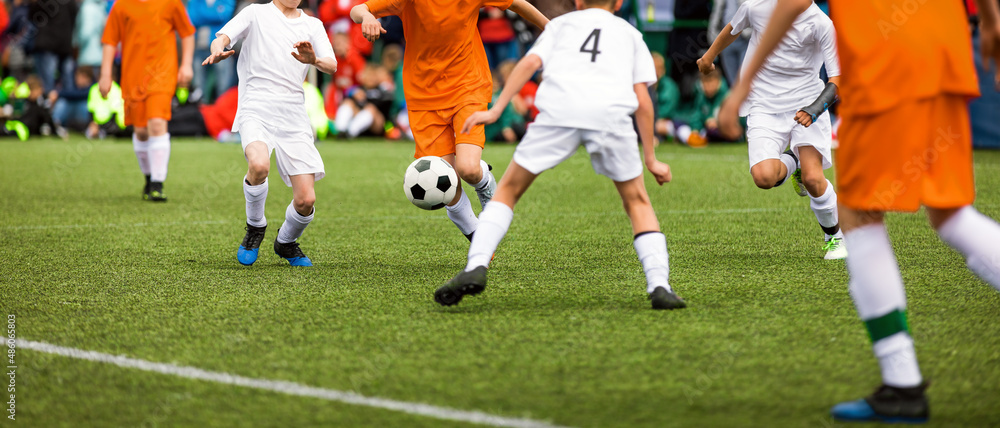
(663, 299)
(156, 192)
(887, 404)
(465, 283)
(145, 190)
(246, 254)
(291, 252)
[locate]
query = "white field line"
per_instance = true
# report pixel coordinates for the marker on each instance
(395, 217)
(284, 387)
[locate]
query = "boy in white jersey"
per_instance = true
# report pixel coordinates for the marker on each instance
(778, 114)
(596, 73)
(279, 44)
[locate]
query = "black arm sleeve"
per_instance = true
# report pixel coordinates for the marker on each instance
(823, 102)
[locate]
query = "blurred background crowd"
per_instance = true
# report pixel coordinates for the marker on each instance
(51, 57)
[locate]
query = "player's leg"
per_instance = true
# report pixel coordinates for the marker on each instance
(258, 157)
(974, 235)
(770, 173)
(158, 112)
(362, 121)
(766, 138)
(135, 115)
(880, 299)
(345, 114)
(823, 201)
(298, 215)
(650, 244)
(469, 154)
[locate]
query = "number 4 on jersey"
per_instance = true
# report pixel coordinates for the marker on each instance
(596, 36)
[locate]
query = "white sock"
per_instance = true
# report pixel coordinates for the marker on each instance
(791, 165)
(294, 224)
(683, 133)
(898, 361)
(487, 175)
(825, 208)
(344, 115)
(651, 247)
(493, 224)
(877, 289)
(977, 237)
(361, 122)
(462, 214)
(256, 196)
(141, 149)
(159, 157)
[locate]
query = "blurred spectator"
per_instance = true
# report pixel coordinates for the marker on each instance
(35, 115)
(732, 56)
(17, 38)
(392, 63)
(4, 18)
(350, 64)
(366, 107)
(509, 128)
(498, 36)
(70, 109)
(336, 16)
(524, 102)
(695, 121)
(219, 117)
(87, 34)
(668, 97)
(53, 44)
(208, 17)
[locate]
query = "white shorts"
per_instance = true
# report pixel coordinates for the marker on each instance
(612, 154)
(769, 134)
(294, 148)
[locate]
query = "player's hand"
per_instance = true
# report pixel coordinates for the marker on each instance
(305, 54)
(729, 112)
(803, 118)
(660, 170)
(711, 124)
(216, 57)
(184, 76)
(989, 47)
(372, 29)
(104, 85)
(480, 118)
(705, 65)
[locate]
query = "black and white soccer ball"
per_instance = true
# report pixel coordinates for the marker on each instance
(430, 183)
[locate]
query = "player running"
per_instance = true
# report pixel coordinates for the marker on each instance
(596, 73)
(905, 97)
(272, 115)
(787, 109)
(149, 77)
(446, 78)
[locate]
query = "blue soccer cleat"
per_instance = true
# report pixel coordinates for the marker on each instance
(887, 404)
(292, 253)
(247, 253)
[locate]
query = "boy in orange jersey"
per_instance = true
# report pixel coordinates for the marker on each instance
(905, 141)
(149, 76)
(446, 78)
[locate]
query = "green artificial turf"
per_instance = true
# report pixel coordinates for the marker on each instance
(562, 334)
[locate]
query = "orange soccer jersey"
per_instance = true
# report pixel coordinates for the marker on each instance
(906, 77)
(146, 30)
(445, 72)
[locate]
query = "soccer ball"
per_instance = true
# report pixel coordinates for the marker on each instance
(430, 183)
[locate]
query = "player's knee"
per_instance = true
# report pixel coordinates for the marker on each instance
(469, 170)
(304, 203)
(814, 183)
(762, 181)
(259, 168)
(142, 134)
(157, 126)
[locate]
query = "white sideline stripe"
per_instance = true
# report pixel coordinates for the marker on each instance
(284, 387)
(390, 217)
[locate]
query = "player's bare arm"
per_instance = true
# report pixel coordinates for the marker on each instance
(989, 35)
(107, 63)
(781, 21)
(644, 120)
(218, 49)
(529, 13)
(370, 27)
(186, 72)
(522, 72)
(808, 114)
(306, 55)
(707, 62)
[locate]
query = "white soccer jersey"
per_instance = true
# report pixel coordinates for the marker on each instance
(599, 52)
(789, 79)
(269, 74)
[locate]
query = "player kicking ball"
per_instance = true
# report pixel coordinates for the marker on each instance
(279, 44)
(787, 108)
(596, 73)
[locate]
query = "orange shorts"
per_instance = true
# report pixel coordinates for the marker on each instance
(436, 132)
(154, 106)
(917, 153)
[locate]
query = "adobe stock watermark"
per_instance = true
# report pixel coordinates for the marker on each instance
(915, 167)
(898, 16)
(11, 366)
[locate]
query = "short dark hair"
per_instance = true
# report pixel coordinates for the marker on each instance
(592, 3)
